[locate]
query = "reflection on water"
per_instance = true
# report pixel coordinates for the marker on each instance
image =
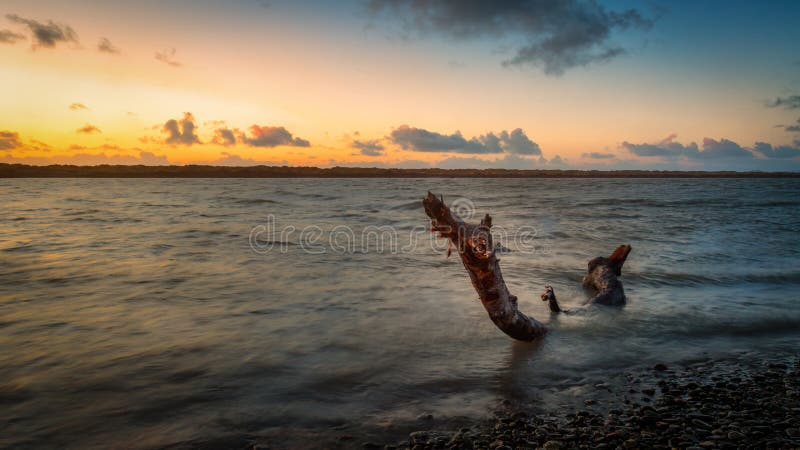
(134, 312)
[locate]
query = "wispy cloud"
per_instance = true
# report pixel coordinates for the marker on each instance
(88, 129)
(46, 34)
(77, 106)
(790, 102)
(598, 155)
(168, 57)
(105, 46)
(10, 37)
(369, 147)
(9, 140)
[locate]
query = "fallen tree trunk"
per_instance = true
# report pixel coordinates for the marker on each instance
(476, 249)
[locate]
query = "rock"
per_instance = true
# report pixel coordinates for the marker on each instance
(735, 436)
(425, 417)
(419, 437)
(552, 445)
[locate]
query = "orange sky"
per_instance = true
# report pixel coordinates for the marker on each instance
(330, 79)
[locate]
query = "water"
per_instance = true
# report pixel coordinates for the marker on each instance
(134, 313)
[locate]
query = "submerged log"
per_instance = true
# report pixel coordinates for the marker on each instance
(601, 278)
(476, 249)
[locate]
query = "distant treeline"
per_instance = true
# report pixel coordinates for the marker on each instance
(197, 171)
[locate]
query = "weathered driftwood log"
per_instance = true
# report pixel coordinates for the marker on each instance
(474, 245)
(476, 249)
(601, 278)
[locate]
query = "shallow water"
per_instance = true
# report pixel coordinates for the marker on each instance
(135, 313)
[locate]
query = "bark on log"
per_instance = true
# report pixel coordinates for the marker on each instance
(476, 249)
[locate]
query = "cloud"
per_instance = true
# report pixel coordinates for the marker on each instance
(368, 148)
(88, 129)
(78, 106)
(667, 148)
(10, 37)
(181, 131)
(597, 155)
(723, 148)
(9, 140)
(88, 159)
(792, 128)
(672, 150)
(232, 160)
(225, 136)
(722, 154)
(517, 142)
(790, 102)
(555, 35)
(779, 152)
(46, 35)
(105, 46)
(168, 57)
(266, 136)
(421, 140)
(509, 161)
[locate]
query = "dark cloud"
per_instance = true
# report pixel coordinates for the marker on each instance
(554, 34)
(667, 148)
(105, 46)
(224, 136)
(421, 140)
(168, 57)
(272, 137)
(46, 34)
(793, 128)
(596, 155)
(670, 149)
(779, 152)
(9, 140)
(78, 106)
(9, 37)
(517, 142)
(368, 148)
(88, 129)
(790, 102)
(723, 148)
(181, 131)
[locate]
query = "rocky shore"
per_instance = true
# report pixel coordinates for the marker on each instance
(703, 406)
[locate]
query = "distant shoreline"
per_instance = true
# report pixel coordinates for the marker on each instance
(198, 171)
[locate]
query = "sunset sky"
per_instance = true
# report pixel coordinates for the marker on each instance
(393, 83)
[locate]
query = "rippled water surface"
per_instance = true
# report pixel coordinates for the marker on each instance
(135, 313)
